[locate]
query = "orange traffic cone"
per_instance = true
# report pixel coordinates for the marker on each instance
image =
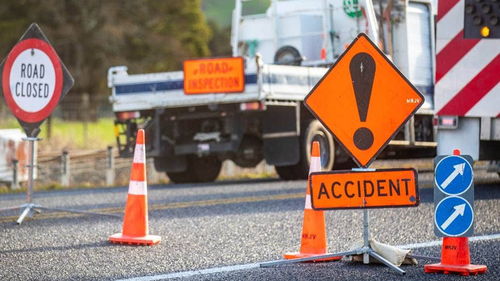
(313, 241)
(455, 258)
(135, 225)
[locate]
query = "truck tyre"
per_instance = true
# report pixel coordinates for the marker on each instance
(287, 55)
(199, 169)
(181, 177)
(206, 168)
(314, 131)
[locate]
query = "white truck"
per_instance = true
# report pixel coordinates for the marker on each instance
(286, 51)
(467, 101)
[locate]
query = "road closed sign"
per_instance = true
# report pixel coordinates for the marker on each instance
(218, 75)
(364, 189)
(34, 80)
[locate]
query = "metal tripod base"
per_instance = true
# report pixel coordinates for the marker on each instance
(365, 251)
(29, 207)
(28, 210)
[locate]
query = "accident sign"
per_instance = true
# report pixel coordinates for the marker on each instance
(217, 75)
(364, 189)
(363, 100)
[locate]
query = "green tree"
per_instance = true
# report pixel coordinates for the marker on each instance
(92, 35)
(220, 44)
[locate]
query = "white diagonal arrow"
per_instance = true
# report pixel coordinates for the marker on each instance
(459, 210)
(459, 169)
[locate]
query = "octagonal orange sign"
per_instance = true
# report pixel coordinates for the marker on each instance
(363, 100)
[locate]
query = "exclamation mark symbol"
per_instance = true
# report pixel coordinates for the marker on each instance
(362, 68)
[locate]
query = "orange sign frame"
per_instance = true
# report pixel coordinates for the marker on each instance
(214, 75)
(363, 100)
(385, 188)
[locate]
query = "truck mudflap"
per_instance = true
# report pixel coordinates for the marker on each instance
(281, 130)
(283, 151)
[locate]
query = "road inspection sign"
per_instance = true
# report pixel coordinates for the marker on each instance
(453, 196)
(34, 80)
(364, 189)
(363, 100)
(216, 75)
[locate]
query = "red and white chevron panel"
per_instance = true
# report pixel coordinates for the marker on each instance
(467, 70)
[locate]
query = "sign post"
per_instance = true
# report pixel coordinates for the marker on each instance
(453, 196)
(363, 101)
(454, 213)
(33, 81)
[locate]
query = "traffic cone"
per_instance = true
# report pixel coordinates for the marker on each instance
(135, 224)
(455, 258)
(313, 240)
(455, 255)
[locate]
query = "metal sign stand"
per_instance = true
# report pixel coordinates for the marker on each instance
(366, 251)
(30, 208)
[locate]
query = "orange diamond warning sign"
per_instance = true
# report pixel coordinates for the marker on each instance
(363, 100)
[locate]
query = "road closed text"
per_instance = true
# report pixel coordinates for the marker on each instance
(347, 189)
(31, 81)
(221, 75)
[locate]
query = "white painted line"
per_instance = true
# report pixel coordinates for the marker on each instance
(195, 272)
(440, 242)
(257, 265)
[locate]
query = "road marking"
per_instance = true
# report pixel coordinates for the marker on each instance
(175, 205)
(202, 203)
(257, 265)
(195, 272)
(440, 242)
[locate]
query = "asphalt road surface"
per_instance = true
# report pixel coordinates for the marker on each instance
(223, 231)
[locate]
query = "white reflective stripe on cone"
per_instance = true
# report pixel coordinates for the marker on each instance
(137, 188)
(139, 154)
(315, 165)
(308, 202)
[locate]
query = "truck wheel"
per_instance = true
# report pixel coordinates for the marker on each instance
(286, 172)
(206, 168)
(182, 177)
(287, 55)
(315, 132)
(199, 169)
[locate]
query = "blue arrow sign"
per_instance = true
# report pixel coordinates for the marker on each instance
(453, 216)
(453, 175)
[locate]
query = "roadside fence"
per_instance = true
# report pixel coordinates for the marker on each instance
(104, 168)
